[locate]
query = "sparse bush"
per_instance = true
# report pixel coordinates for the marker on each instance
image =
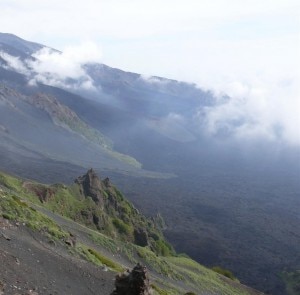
(122, 227)
(98, 259)
(163, 248)
(225, 272)
(159, 290)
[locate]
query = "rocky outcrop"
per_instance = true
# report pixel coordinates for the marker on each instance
(107, 183)
(91, 186)
(100, 205)
(135, 282)
(44, 193)
(115, 216)
(141, 237)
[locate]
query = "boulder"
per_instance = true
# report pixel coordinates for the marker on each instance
(135, 282)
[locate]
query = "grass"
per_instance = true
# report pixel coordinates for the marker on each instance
(98, 259)
(225, 272)
(14, 208)
(202, 277)
(292, 282)
(175, 268)
(10, 182)
(114, 246)
(159, 291)
(177, 271)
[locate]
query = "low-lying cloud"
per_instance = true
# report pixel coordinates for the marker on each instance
(249, 106)
(14, 63)
(63, 69)
(56, 68)
(259, 109)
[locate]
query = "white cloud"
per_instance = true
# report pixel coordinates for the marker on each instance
(13, 63)
(248, 49)
(154, 80)
(256, 110)
(54, 68)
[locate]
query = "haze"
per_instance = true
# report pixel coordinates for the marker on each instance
(248, 50)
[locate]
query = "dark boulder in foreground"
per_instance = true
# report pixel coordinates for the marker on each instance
(135, 282)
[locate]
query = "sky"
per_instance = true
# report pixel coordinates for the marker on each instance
(247, 49)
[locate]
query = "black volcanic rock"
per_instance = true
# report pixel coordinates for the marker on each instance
(114, 215)
(135, 282)
(141, 237)
(232, 186)
(106, 182)
(91, 186)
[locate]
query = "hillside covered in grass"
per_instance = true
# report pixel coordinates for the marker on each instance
(93, 221)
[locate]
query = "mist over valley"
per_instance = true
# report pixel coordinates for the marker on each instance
(224, 178)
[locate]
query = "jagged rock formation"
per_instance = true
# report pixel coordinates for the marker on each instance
(141, 237)
(135, 282)
(91, 186)
(113, 209)
(100, 205)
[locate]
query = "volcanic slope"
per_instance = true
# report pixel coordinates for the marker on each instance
(45, 253)
(237, 200)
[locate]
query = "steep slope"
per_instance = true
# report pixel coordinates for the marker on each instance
(25, 120)
(99, 205)
(229, 194)
(19, 44)
(32, 241)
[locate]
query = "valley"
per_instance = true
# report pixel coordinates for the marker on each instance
(227, 202)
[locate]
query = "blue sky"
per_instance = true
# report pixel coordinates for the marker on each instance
(247, 49)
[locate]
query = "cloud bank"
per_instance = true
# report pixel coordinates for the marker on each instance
(14, 63)
(247, 49)
(257, 109)
(63, 69)
(57, 68)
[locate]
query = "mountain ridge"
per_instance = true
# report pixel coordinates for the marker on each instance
(228, 193)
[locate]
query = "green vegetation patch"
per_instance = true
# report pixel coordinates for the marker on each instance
(10, 182)
(97, 258)
(14, 208)
(160, 291)
(292, 282)
(225, 272)
(201, 277)
(163, 248)
(122, 227)
(117, 215)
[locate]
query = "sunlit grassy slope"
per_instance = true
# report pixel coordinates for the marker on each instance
(170, 273)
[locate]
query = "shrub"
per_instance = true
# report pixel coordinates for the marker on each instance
(159, 290)
(106, 261)
(225, 272)
(163, 248)
(122, 227)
